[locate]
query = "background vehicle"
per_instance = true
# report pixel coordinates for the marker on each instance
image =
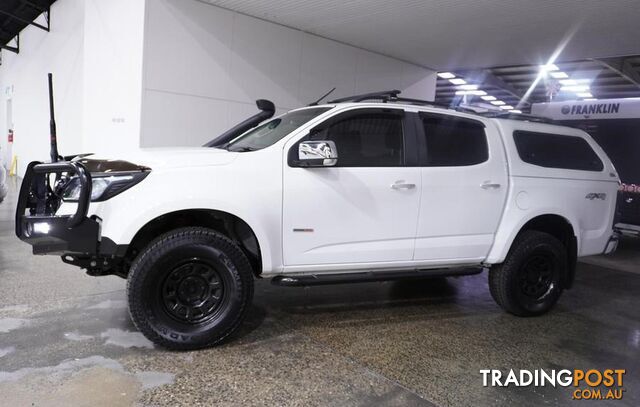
(347, 191)
(3, 183)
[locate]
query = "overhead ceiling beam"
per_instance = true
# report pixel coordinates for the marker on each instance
(15, 49)
(24, 20)
(623, 67)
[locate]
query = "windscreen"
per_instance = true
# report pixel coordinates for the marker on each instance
(274, 130)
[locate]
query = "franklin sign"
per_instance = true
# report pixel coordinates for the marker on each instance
(581, 110)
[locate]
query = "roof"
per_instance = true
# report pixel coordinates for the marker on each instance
(449, 34)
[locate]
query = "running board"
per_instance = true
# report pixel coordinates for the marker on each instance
(368, 276)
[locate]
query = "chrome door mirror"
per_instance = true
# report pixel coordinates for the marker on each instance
(317, 154)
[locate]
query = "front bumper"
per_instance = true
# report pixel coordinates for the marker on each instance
(76, 238)
(51, 235)
(41, 228)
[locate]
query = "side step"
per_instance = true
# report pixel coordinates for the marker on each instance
(368, 276)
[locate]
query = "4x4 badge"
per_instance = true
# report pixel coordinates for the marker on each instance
(596, 195)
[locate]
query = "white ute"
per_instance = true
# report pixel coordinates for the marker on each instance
(371, 187)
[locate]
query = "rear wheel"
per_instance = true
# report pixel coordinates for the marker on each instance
(529, 282)
(189, 289)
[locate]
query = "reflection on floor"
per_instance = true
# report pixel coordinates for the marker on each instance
(66, 338)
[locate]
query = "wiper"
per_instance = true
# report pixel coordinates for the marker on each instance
(242, 149)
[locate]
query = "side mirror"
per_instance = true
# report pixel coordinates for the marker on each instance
(317, 154)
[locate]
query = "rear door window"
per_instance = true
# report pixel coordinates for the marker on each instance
(453, 141)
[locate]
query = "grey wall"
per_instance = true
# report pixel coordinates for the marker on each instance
(204, 67)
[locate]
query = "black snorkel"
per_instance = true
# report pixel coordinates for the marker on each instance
(267, 110)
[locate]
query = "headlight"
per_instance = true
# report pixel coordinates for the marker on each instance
(103, 187)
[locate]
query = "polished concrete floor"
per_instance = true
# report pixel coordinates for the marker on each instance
(66, 339)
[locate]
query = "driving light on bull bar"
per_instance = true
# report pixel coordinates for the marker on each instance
(41, 227)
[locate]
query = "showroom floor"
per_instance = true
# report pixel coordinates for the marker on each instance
(65, 336)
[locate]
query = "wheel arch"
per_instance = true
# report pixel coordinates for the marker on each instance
(553, 223)
(228, 224)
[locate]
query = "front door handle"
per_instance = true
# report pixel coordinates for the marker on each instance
(489, 185)
(402, 185)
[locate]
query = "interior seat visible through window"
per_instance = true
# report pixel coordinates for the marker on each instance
(367, 140)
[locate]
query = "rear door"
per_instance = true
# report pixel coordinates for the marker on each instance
(364, 209)
(464, 187)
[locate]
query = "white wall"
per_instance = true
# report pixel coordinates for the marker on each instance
(113, 43)
(23, 79)
(205, 66)
(94, 50)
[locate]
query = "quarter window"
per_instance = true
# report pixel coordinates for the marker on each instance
(556, 151)
(367, 140)
(453, 141)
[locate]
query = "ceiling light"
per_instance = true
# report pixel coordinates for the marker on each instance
(576, 88)
(471, 92)
(446, 75)
(584, 95)
(559, 75)
(497, 102)
(468, 87)
(548, 68)
(589, 99)
(457, 81)
(583, 80)
(516, 111)
(506, 107)
(489, 98)
(568, 82)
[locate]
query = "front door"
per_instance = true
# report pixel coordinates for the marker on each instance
(362, 210)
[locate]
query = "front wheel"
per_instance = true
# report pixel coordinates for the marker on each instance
(189, 289)
(529, 282)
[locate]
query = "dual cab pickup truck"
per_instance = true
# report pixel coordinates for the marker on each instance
(370, 187)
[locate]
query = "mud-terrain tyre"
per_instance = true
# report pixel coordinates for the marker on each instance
(529, 282)
(189, 289)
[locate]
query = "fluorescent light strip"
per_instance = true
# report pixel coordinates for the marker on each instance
(446, 75)
(457, 81)
(471, 92)
(497, 103)
(559, 75)
(489, 98)
(548, 68)
(584, 95)
(506, 107)
(468, 87)
(575, 88)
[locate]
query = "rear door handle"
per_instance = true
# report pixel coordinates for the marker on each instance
(489, 185)
(402, 185)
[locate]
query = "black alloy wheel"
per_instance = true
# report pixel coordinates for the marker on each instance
(190, 289)
(529, 282)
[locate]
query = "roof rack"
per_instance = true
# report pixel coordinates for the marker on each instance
(392, 96)
(383, 95)
(517, 116)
